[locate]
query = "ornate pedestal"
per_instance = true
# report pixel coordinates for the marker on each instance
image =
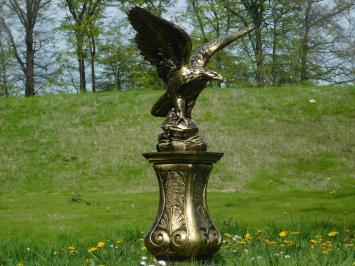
(183, 228)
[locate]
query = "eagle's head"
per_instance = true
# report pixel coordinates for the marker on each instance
(213, 75)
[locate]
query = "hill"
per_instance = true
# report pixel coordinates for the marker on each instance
(273, 138)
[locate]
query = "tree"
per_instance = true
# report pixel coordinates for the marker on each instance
(321, 34)
(212, 22)
(253, 10)
(84, 14)
(28, 13)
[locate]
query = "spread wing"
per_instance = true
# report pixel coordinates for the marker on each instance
(162, 43)
(201, 56)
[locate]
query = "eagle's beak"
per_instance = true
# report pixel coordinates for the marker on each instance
(218, 77)
(215, 76)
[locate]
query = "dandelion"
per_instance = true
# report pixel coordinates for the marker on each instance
(260, 231)
(271, 243)
(242, 242)
(72, 249)
(119, 242)
(312, 241)
(228, 235)
(332, 234)
(327, 244)
(92, 250)
(287, 242)
(247, 236)
(100, 244)
(283, 234)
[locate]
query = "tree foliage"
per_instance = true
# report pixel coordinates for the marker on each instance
(302, 41)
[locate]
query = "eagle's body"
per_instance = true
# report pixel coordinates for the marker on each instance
(186, 83)
(168, 47)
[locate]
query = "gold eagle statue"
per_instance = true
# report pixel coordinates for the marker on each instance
(168, 48)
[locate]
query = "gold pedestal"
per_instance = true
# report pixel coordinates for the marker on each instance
(183, 228)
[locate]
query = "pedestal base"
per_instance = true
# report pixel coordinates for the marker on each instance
(183, 228)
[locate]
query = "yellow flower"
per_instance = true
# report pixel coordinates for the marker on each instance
(118, 242)
(273, 243)
(72, 249)
(100, 244)
(332, 234)
(242, 242)
(312, 241)
(260, 231)
(287, 242)
(228, 235)
(247, 236)
(328, 244)
(283, 234)
(92, 250)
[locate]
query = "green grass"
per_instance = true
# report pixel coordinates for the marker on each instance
(288, 164)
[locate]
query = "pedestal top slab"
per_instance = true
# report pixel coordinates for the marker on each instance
(183, 157)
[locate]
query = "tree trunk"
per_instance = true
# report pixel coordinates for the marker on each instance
(93, 57)
(29, 71)
(304, 43)
(259, 56)
(274, 55)
(81, 61)
(3, 70)
(116, 73)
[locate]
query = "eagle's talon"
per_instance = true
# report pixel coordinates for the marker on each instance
(182, 118)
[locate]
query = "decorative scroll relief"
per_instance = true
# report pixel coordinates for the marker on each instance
(173, 220)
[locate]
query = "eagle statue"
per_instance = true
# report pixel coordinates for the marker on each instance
(168, 48)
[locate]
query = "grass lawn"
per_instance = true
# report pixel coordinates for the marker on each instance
(72, 174)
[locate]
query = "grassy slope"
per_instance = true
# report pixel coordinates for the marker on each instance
(286, 160)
